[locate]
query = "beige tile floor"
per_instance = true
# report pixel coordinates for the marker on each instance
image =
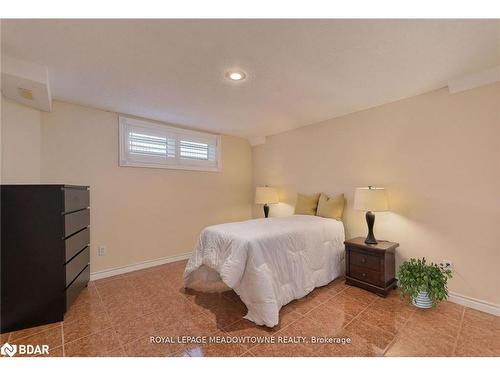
(117, 317)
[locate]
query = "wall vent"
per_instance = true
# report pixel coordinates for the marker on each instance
(25, 93)
(26, 83)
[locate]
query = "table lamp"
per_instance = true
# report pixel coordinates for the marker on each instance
(370, 199)
(266, 195)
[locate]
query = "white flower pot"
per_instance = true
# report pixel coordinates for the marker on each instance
(422, 301)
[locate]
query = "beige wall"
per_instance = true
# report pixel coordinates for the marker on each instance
(140, 214)
(20, 151)
(439, 157)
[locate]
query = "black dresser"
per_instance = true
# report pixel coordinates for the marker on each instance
(45, 239)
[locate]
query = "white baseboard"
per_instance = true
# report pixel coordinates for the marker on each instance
(474, 303)
(137, 266)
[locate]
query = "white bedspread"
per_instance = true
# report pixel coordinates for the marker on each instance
(267, 262)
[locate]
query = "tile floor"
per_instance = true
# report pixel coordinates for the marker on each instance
(117, 317)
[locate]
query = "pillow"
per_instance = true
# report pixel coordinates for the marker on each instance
(306, 204)
(331, 206)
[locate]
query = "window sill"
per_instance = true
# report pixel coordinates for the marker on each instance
(165, 166)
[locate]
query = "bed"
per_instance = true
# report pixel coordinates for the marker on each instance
(267, 262)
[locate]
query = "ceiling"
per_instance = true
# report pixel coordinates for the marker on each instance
(298, 71)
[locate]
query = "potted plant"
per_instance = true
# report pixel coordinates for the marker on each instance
(425, 284)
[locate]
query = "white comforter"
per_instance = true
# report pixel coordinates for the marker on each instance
(267, 262)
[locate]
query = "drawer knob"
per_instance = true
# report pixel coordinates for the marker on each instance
(363, 274)
(363, 260)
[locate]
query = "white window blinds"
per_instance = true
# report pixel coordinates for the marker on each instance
(140, 143)
(148, 144)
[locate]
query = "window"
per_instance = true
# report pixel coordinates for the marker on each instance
(148, 144)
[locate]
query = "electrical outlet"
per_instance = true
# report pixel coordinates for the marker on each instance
(446, 265)
(101, 251)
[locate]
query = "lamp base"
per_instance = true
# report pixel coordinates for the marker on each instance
(370, 221)
(266, 210)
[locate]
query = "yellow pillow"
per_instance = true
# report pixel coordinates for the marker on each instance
(306, 204)
(331, 207)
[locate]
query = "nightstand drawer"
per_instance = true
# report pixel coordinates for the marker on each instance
(370, 266)
(366, 274)
(365, 260)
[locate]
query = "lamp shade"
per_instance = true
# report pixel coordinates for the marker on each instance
(370, 199)
(265, 195)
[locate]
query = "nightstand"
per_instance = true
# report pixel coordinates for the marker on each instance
(371, 267)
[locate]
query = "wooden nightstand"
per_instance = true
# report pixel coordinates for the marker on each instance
(371, 267)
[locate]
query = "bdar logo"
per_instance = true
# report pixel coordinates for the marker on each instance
(8, 349)
(22, 349)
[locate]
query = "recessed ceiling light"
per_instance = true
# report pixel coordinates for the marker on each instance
(236, 76)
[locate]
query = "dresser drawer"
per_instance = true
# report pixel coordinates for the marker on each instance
(76, 221)
(76, 243)
(75, 199)
(366, 274)
(372, 262)
(76, 286)
(77, 264)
